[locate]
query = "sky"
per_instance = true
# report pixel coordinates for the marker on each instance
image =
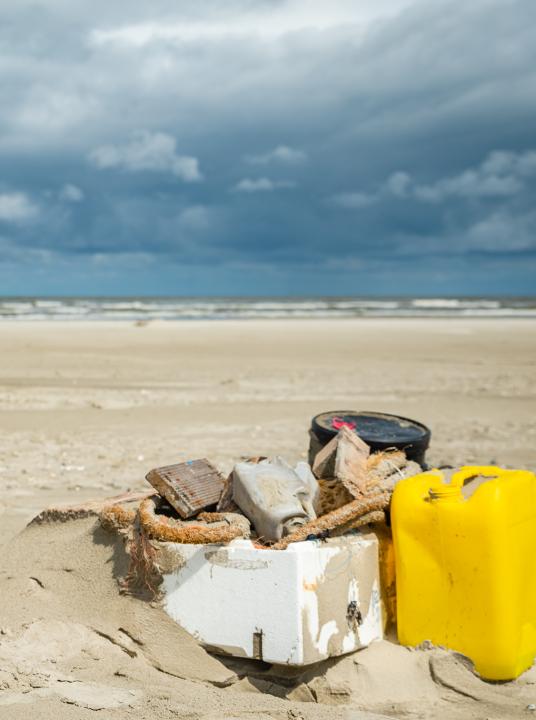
(268, 147)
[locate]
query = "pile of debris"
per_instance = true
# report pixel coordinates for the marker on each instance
(293, 565)
(266, 500)
(313, 540)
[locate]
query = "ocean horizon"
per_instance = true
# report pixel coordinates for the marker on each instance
(135, 308)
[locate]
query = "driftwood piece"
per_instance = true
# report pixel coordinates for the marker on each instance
(341, 467)
(351, 462)
(188, 487)
(336, 518)
(344, 458)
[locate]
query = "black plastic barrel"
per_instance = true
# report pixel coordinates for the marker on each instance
(379, 430)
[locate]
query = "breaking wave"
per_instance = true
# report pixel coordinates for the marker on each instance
(27, 308)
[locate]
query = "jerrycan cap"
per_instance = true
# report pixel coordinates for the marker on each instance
(446, 492)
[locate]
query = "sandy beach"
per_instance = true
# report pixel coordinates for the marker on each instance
(86, 409)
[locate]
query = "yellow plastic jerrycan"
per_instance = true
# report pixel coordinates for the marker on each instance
(465, 553)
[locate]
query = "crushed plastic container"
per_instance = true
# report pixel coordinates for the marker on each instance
(465, 553)
(275, 497)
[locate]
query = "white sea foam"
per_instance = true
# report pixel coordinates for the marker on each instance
(455, 303)
(143, 308)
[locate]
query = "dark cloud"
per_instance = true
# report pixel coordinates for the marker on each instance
(279, 146)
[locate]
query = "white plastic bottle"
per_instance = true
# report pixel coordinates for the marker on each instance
(275, 497)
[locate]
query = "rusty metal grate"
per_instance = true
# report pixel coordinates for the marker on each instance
(188, 487)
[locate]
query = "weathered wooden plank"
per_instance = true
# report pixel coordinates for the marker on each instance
(344, 458)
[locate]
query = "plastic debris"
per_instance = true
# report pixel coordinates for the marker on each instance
(462, 546)
(274, 496)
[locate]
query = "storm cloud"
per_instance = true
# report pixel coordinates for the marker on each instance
(268, 146)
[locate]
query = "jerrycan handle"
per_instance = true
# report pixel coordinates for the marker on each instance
(453, 490)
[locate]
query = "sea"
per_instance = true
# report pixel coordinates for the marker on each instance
(234, 308)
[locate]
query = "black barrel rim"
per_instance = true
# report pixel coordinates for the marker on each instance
(414, 445)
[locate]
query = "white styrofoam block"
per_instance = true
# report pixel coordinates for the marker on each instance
(314, 600)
